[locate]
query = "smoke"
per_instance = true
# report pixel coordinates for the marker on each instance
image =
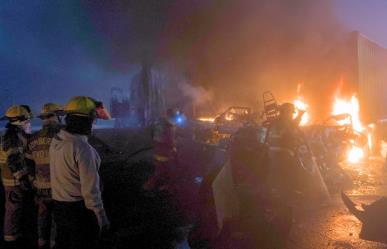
(197, 94)
(231, 50)
(239, 49)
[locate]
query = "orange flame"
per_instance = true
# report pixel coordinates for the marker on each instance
(206, 119)
(355, 154)
(351, 106)
(300, 105)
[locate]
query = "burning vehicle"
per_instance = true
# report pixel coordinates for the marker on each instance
(219, 129)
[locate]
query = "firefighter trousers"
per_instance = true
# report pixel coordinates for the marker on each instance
(76, 226)
(13, 218)
(45, 203)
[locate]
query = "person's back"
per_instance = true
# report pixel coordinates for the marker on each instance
(78, 208)
(67, 152)
(38, 151)
(38, 148)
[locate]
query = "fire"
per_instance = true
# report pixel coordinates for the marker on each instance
(206, 119)
(301, 106)
(229, 117)
(355, 154)
(352, 108)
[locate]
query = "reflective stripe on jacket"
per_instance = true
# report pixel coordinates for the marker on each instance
(13, 165)
(38, 149)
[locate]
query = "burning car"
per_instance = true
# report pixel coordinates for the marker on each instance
(214, 130)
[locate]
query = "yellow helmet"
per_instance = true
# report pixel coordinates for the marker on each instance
(16, 114)
(49, 109)
(87, 107)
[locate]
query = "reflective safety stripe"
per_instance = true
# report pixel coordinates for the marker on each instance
(42, 185)
(275, 148)
(14, 150)
(3, 157)
(29, 156)
(10, 182)
(11, 237)
(161, 158)
(20, 173)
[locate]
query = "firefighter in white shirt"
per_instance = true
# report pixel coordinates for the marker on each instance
(75, 183)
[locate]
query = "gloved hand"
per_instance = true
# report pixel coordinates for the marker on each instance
(301, 112)
(25, 184)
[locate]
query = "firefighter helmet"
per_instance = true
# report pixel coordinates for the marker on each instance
(287, 108)
(17, 114)
(86, 107)
(27, 107)
(50, 109)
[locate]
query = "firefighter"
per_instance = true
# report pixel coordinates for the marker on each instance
(286, 116)
(164, 143)
(285, 128)
(78, 209)
(14, 172)
(38, 148)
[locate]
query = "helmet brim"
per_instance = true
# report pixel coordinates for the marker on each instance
(55, 113)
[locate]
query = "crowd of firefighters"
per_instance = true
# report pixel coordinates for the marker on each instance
(56, 170)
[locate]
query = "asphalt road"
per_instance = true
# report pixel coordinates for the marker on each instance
(330, 225)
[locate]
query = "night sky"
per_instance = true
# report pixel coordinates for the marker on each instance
(52, 50)
(369, 17)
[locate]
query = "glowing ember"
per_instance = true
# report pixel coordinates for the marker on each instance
(355, 155)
